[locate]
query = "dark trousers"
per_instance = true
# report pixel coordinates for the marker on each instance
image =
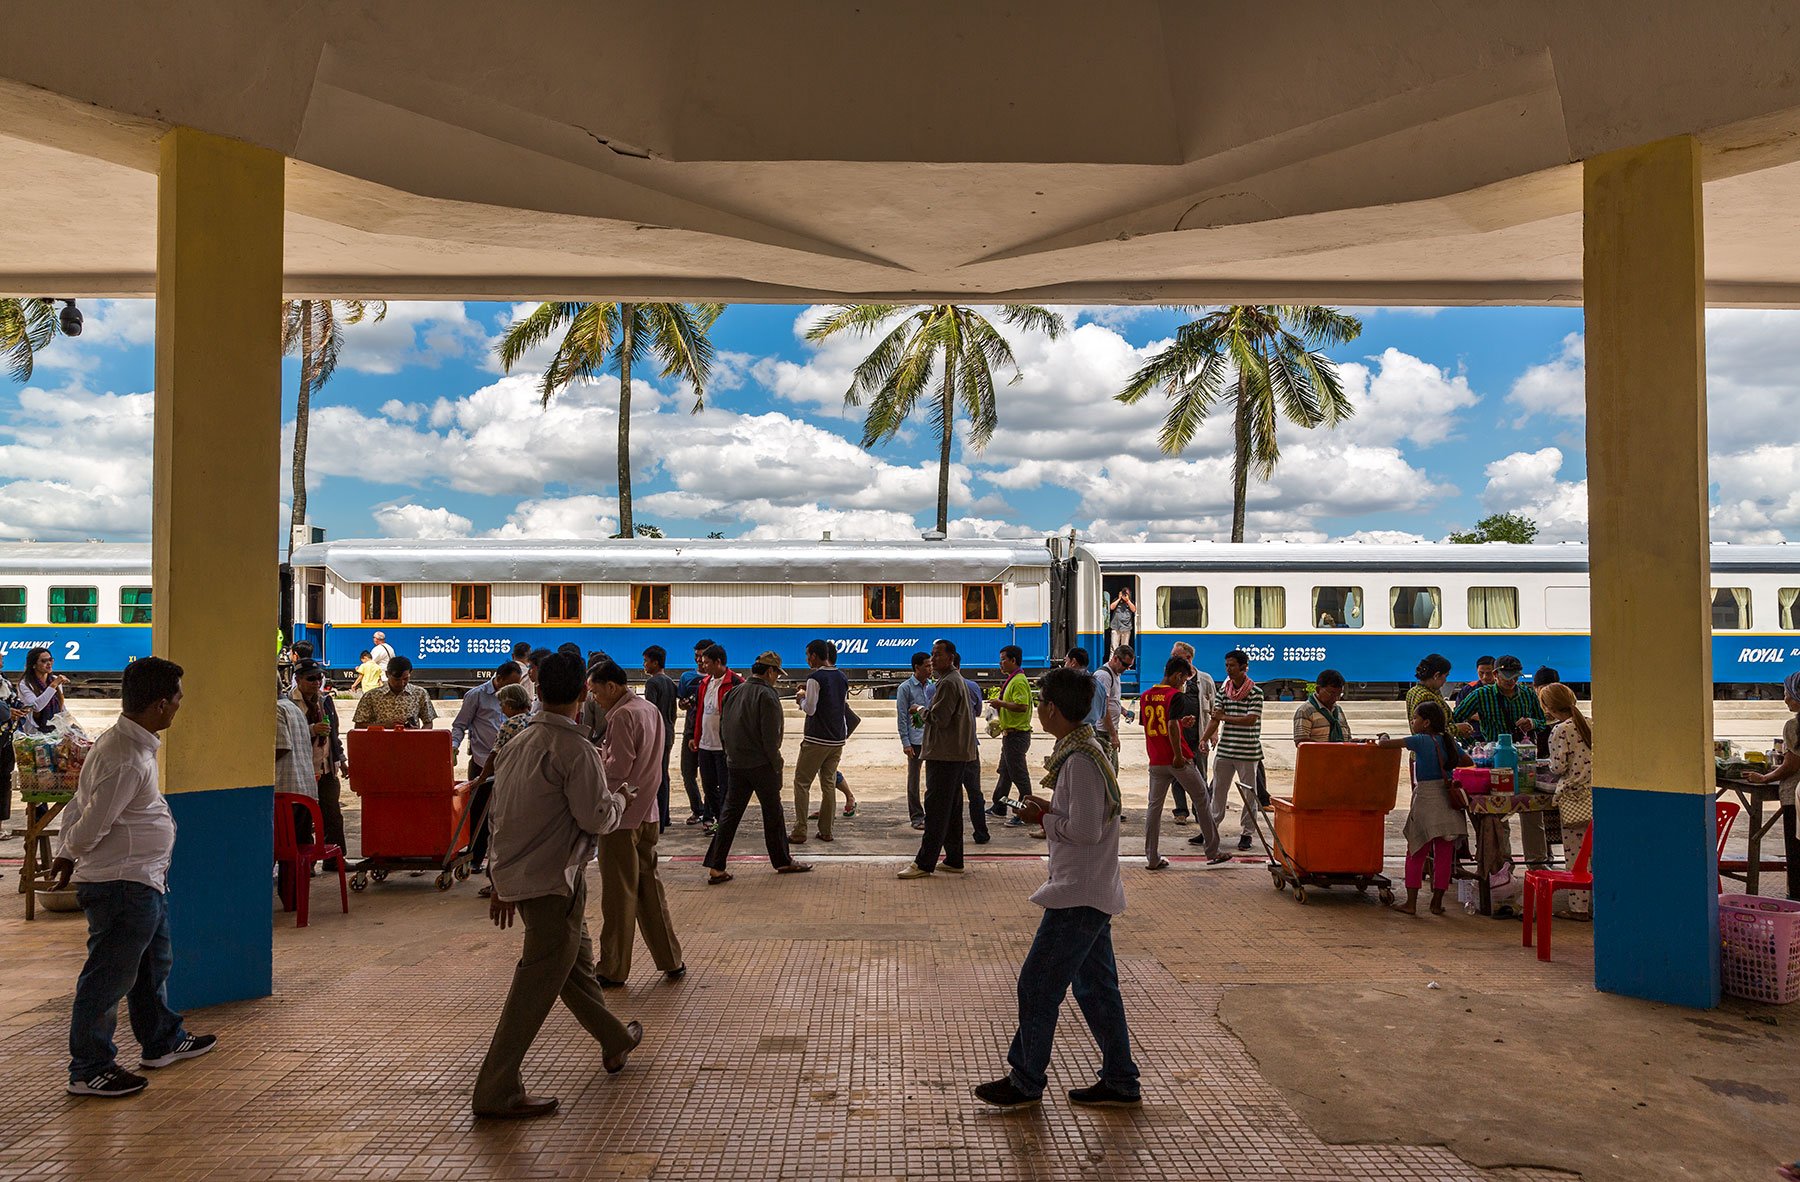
(971, 781)
(332, 809)
(763, 782)
(1073, 947)
(478, 824)
(129, 956)
(690, 777)
(1793, 852)
(662, 791)
(715, 779)
(915, 804)
(943, 814)
(6, 774)
(1014, 775)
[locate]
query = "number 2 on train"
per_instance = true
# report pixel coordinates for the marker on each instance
(71, 650)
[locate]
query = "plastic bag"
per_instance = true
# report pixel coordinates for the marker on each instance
(51, 761)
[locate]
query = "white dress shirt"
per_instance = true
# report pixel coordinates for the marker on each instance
(118, 826)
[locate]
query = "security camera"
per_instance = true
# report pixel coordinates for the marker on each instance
(70, 319)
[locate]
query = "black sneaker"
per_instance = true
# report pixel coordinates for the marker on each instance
(1002, 1094)
(983, 837)
(191, 1046)
(1243, 841)
(112, 1083)
(1102, 1096)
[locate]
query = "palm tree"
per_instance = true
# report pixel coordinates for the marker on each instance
(952, 343)
(315, 330)
(1270, 354)
(26, 326)
(619, 336)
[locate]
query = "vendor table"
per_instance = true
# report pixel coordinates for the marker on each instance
(41, 812)
(1489, 811)
(1752, 797)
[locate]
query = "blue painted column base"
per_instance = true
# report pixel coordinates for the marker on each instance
(219, 896)
(1656, 901)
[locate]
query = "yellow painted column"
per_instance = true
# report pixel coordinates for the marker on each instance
(1655, 904)
(214, 557)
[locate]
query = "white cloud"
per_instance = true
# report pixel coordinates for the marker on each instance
(1402, 398)
(1555, 387)
(414, 332)
(405, 412)
(75, 465)
(1527, 483)
(584, 516)
(417, 521)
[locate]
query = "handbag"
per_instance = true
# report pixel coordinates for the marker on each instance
(1575, 806)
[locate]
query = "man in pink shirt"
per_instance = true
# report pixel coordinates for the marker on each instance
(631, 894)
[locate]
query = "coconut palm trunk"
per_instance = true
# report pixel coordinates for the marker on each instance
(943, 516)
(302, 413)
(627, 346)
(1240, 465)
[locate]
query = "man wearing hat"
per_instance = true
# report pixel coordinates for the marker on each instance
(750, 727)
(1507, 707)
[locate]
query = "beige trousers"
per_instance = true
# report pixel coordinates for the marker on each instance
(816, 762)
(556, 961)
(632, 900)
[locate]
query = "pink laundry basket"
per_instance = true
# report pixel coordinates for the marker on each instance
(1760, 948)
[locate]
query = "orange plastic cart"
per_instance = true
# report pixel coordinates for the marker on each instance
(414, 813)
(1330, 833)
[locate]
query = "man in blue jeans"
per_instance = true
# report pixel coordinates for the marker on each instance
(117, 836)
(1074, 939)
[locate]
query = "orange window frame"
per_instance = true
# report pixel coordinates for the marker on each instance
(646, 598)
(985, 598)
(884, 603)
(480, 599)
(376, 595)
(567, 598)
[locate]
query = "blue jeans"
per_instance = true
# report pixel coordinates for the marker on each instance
(1073, 947)
(128, 958)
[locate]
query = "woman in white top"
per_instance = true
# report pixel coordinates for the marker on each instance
(1572, 767)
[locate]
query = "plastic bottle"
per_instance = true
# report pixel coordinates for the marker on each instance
(1506, 758)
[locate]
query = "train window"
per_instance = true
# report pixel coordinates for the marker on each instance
(1730, 609)
(470, 603)
(1260, 607)
(650, 603)
(12, 605)
(562, 603)
(134, 605)
(981, 603)
(1416, 607)
(883, 603)
(1181, 607)
(74, 605)
(381, 603)
(1494, 607)
(1785, 599)
(1337, 607)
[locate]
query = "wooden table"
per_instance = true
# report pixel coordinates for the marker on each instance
(1489, 811)
(41, 811)
(1752, 797)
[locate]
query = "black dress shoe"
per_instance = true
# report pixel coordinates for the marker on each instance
(982, 838)
(676, 973)
(607, 982)
(616, 1063)
(522, 1109)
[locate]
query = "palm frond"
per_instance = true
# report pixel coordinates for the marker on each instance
(862, 319)
(533, 330)
(1033, 318)
(684, 344)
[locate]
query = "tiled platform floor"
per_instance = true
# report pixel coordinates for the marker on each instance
(830, 1027)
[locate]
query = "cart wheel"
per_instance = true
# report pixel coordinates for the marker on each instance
(359, 881)
(1299, 893)
(444, 880)
(1386, 897)
(462, 871)
(1275, 877)
(378, 875)
(1362, 888)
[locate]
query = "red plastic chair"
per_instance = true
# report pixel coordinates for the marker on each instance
(1541, 887)
(297, 859)
(1725, 814)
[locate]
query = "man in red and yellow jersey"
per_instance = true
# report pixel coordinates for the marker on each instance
(1172, 762)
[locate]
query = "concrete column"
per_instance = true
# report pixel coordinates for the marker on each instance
(1656, 911)
(217, 500)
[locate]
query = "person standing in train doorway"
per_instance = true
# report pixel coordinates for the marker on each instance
(1122, 620)
(1237, 721)
(949, 745)
(823, 700)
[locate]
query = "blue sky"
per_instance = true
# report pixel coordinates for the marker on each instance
(1461, 412)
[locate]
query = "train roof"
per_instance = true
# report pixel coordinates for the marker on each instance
(1405, 556)
(672, 560)
(71, 558)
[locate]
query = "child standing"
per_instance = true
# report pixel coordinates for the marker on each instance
(368, 674)
(1432, 823)
(1572, 767)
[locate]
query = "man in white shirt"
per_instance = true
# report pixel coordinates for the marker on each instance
(116, 841)
(1106, 682)
(381, 652)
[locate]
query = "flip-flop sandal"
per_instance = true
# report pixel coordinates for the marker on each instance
(716, 879)
(794, 868)
(850, 809)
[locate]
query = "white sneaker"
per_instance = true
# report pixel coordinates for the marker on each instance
(912, 871)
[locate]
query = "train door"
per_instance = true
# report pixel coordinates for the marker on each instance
(1119, 603)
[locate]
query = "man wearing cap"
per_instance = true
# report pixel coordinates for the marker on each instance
(328, 761)
(1507, 707)
(750, 728)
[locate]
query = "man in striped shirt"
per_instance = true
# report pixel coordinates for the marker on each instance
(1237, 721)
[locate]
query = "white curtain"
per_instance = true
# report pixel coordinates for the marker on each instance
(1437, 609)
(1274, 607)
(1787, 597)
(1493, 607)
(1418, 607)
(1243, 602)
(1742, 596)
(1353, 608)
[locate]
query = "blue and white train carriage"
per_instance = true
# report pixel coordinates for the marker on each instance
(89, 603)
(457, 607)
(1371, 611)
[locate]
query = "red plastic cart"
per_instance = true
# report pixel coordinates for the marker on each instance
(415, 816)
